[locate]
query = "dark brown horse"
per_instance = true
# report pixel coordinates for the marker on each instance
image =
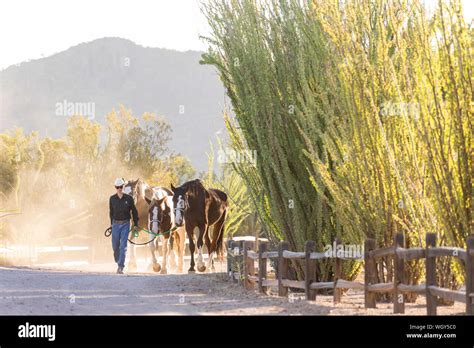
(198, 207)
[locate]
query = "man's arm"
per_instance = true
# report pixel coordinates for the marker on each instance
(111, 210)
(134, 214)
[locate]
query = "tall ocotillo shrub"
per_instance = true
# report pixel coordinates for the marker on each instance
(403, 148)
(272, 58)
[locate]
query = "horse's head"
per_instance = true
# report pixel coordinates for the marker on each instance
(130, 188)
(160, 214)
(135, 188)
(180, 203)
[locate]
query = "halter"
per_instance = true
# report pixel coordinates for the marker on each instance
(150, 224)
(159, 221)
(182, 209)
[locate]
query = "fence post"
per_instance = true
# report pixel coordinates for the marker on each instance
(310, 270)
(337, 274)
(399, 278)
(470, 275)
(249, 266)
(230, 250)
(245, 273)
(370, 276)
(235, 262)
(262, 267)
(240, 260)
(282, 268)
(431, 300)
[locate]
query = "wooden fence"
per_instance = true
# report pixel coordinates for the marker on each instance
(241, 266)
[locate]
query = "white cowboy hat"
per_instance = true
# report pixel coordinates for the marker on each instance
(119, 182)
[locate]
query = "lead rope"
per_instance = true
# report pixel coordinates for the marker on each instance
(135, 232)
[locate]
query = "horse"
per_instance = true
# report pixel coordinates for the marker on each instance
(137, 189)
(143, 194)
(201, 208)
(161, 220)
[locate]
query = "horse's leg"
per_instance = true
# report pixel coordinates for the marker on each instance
(132, 263)
(192, 246)
(164, 248)
(172, 253)
(155, 265)
(200, 264)
(181, 245)
(151, 247)
(208, 245)
(217, 234)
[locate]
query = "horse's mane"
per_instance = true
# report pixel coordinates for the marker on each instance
(167, 190)
(156, 190)
(141, 188)
(194, 187)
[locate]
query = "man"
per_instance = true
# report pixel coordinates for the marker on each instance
(120, 206)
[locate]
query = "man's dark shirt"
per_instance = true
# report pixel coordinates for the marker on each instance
(119, 208)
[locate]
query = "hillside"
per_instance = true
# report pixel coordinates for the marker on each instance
(112, 71)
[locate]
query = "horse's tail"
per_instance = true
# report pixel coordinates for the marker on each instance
(171, 240)
(175, 240)
(220, 238)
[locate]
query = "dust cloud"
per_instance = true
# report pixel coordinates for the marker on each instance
(58, 219)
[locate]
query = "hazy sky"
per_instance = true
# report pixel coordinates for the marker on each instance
(30, 29)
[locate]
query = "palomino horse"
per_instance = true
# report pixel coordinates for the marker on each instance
(161, 220)
(136, 189)
(201, 208)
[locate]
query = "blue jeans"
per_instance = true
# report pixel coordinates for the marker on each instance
(119, 242)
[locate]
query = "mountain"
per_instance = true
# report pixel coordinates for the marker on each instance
(107, 72)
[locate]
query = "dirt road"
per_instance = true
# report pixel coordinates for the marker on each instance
(35, 291)
(27, 291)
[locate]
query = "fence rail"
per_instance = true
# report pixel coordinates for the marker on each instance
(242, 258)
